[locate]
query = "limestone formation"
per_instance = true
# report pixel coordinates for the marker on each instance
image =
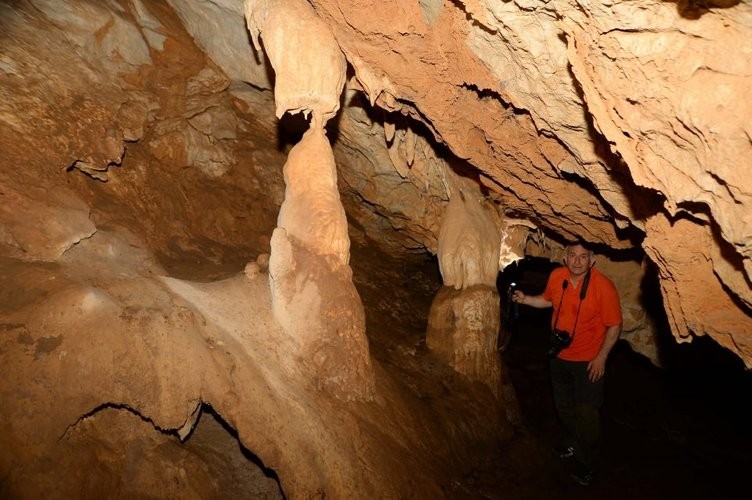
(312, 213)
(308, 64)
(469, 243)
(463, 324)
(313, 296)
(463, 328)
(141, 169)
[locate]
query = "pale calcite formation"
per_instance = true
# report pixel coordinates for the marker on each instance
(308, 64)
(463, 329)
(313, 296)
(312, 213)
(469, 243)
(463, 323)
(515, 233)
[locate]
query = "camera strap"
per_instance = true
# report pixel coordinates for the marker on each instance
(564, 285)
(583, 292)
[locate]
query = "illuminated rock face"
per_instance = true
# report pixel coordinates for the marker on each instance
(140, 139)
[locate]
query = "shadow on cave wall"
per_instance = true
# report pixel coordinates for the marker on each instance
(701, 369)
(695, 9)
(115, 451)
(417, 126)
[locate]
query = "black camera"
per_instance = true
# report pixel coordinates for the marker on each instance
(559, 340)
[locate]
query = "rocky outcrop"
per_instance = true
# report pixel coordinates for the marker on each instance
(683, 268)
(139, 139)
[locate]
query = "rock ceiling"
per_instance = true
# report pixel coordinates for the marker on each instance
(139, 139)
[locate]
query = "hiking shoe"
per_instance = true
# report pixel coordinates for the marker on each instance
(582, 475)
(563, 451)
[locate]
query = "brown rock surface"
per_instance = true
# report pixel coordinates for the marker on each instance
(463, 329)
(142, 171)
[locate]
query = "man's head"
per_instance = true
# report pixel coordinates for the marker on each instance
(578, 258)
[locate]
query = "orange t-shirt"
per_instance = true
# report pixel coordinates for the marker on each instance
(600, 309)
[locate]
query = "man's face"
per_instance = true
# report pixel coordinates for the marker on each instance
(578, 260)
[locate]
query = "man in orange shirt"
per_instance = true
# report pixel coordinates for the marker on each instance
(586, 324)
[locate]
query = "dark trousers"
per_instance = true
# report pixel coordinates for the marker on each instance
(578, 402)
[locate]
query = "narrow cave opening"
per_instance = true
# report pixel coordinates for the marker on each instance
(680, 430)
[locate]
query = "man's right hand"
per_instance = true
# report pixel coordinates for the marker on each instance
(530, 300)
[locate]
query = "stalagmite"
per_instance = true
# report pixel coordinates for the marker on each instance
(313, 296)
(463, 323)
(312, 212)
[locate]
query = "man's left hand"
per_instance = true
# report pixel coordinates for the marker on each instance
(596, 368)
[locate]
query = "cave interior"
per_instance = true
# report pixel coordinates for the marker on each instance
(264, 249)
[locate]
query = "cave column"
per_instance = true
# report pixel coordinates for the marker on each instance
(313, 296)
(463, 323)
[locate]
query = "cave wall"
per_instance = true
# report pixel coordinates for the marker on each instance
(139, 140)
(131, 160)
(617, 123)
(102, 89)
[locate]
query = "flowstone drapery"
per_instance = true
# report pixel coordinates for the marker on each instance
(463, 323)
(313, 296)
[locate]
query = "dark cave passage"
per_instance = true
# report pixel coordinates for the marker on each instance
(681, 431)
